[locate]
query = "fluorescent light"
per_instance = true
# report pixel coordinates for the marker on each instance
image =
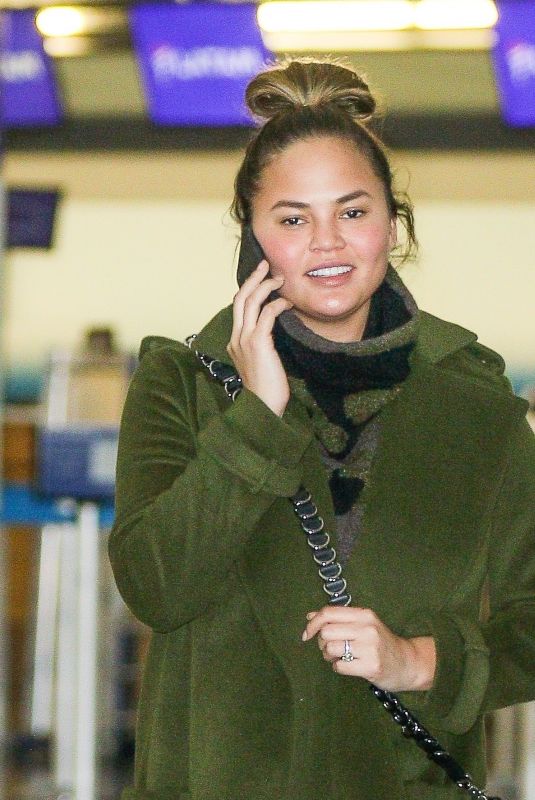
(339, 41)
(335, 15)
(455, 14)
(377, 41)
(61, 21)
(67, 46)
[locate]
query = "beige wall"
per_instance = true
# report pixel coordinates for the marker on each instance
(145, 243)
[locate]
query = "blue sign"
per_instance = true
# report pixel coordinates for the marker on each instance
(514, 60)
(196, 60)
(28, 93)
(77, 462)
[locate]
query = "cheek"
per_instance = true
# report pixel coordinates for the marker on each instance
(376, 243)
(283, 256)
(378, 238)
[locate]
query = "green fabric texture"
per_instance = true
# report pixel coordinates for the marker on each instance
(206, 550)
(362, 405)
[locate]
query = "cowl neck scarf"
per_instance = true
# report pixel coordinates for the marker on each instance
(345, 384)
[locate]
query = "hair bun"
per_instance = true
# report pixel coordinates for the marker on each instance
(308, 82)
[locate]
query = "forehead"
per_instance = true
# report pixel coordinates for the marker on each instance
(326, 164)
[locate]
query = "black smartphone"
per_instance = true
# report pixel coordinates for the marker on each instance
(250, 254)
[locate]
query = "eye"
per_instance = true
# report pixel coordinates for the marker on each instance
(291, 222)
(353, 213)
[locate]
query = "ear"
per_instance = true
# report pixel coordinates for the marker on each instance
(393, 236)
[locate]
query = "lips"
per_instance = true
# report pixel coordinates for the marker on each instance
(330, 272)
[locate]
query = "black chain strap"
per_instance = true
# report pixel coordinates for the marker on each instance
(335, 586)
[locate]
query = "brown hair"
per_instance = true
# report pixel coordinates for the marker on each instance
(305, 98)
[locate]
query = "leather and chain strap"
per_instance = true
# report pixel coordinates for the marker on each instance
(335, 586)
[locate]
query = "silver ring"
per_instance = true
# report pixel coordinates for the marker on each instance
(347, 655)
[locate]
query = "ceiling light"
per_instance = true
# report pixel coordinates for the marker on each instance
(61, 21)
(455, 14)
(67, 46)
(335, 15)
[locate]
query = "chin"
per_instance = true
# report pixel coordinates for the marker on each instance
(325, 315)
(335, 313)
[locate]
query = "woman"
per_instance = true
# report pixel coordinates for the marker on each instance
(417, 455)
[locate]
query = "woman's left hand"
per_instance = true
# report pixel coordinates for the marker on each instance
(387, 660)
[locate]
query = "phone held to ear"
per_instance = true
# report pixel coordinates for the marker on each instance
(250, 255)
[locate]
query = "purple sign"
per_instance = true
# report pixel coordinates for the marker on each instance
(196, 61)
(514, 60)
(27, 87)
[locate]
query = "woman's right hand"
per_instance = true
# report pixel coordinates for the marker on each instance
(251, 343)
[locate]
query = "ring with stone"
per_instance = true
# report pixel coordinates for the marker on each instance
(347, 655)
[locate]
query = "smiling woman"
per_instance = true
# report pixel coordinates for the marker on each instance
(330, 249)
(251, 688)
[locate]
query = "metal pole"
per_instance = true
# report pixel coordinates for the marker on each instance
(527, 761)
(42, 701)
(3, 549)
(88, 554)
(66, 675)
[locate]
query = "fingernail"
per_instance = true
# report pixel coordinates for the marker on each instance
(311, 615)
(304, 637)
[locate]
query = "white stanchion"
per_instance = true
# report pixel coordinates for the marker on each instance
(85, 755)
(505, 743)
(3, 666)
(41, 723)
(527, 777)
(67, 641)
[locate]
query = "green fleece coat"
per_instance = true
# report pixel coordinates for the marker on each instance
(207, 551)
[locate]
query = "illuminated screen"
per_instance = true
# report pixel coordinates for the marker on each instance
(30, 217)
(28, 94)
(195, 61)
(514, 61)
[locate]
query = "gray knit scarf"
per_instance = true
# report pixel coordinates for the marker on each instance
(344, 386)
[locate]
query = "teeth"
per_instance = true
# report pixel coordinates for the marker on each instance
(327, 272)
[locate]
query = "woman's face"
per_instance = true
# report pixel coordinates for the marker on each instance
(321, 218)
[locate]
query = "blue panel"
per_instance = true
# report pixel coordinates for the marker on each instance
(514, 60)
(77, 463)
(20, 505)
(196, 60)
(28, 94)
(31, 215)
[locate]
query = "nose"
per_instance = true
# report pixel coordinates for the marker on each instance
(326, 237)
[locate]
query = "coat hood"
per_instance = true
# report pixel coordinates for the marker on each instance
(437, 339)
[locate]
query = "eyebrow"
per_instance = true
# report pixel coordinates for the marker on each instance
(339, 201)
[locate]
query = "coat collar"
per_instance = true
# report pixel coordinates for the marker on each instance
(437, 338)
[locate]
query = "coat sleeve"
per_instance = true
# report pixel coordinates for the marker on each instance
(490, 664)
(187, 500)
(510, 630)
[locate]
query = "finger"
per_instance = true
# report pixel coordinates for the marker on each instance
(333, 614)
(353, 668)
(332, 651)
(249, 285)
(252, 307)
(332, 648)
(339, 632)
(255, 277)
(269, 314)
